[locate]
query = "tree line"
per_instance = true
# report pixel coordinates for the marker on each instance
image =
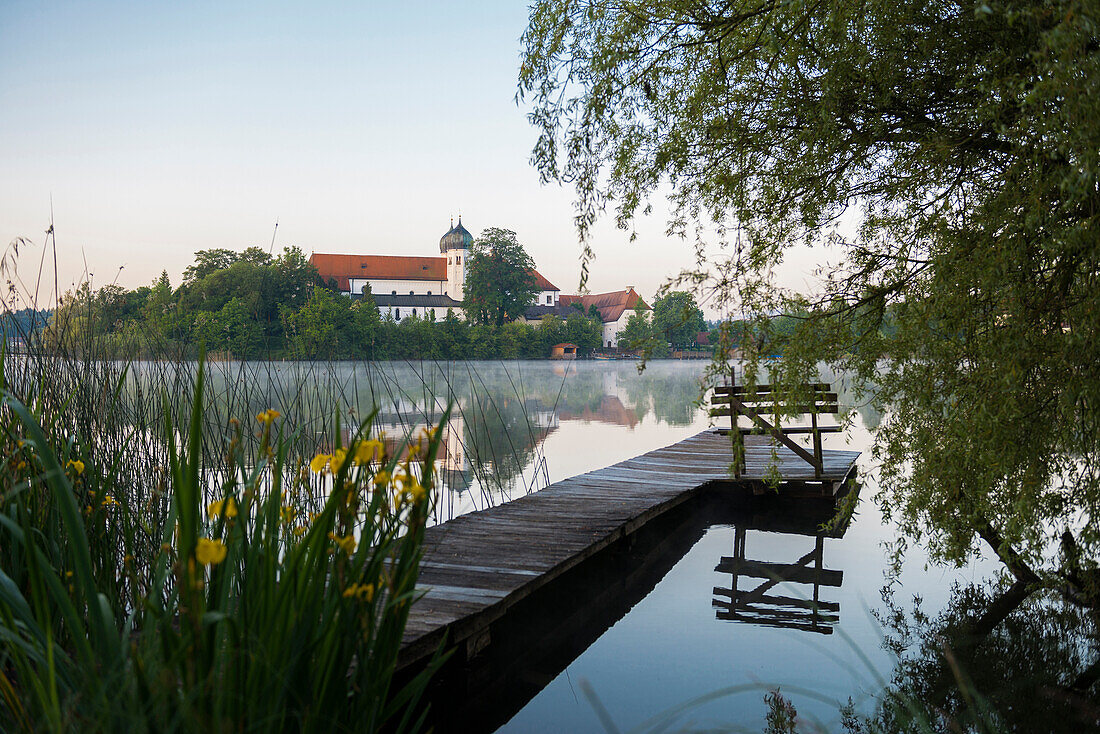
(253, 305)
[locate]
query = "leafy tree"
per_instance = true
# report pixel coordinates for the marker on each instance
(640, 335)
(23, 322)
(293, 278)
(678, 317)
(317, 325)
(254, 255)
(500, 279)
(551, 331)
(585, 332)
(958, 144)
(207, 262)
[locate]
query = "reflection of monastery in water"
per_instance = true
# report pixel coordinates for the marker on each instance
(610, 410)
(499, 435)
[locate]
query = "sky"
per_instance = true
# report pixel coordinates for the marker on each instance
(150, 130)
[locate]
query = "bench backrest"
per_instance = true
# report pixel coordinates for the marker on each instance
(764, 406)
(765, 400)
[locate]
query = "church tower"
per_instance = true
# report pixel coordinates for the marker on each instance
(455, 246)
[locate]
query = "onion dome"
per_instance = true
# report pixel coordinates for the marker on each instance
(456, 239)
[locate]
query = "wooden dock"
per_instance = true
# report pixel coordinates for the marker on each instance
(477, 566)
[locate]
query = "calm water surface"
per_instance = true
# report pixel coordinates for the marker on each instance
(520, 426)
(671, 649)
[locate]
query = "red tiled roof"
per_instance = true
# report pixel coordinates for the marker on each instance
(384, 267)
(610, 305)
(542, 284)
(341, 268)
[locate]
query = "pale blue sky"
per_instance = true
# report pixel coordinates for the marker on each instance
(163, 128)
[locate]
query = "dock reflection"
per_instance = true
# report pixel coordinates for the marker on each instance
(542, 635)
(757, 606)
(801, 606)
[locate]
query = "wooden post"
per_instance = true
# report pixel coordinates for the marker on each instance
(818, 561)
(739, 554)
(735, 432)
(819, 466)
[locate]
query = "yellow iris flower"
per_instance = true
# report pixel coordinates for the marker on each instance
(337, 460)
(210, 552)
(360, 591)
(368, 451)
(346, 543)
(222, 508)
(319, 462)
(268, 416)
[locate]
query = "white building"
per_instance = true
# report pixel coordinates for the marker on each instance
(614, 308)
(404, 286)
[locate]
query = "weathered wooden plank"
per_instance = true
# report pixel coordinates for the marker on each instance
(790, 601)
(745, 389)
(820, 628)
(460, 593)
(783, 571)
(777, 615)
(476, 566)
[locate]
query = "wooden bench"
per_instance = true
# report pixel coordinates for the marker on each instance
(812, 399)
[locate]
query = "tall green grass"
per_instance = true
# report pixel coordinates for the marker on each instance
(138, 596)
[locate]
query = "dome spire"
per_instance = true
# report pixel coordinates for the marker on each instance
(457, 238)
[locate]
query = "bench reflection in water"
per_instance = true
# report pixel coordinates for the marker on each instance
(757, 606)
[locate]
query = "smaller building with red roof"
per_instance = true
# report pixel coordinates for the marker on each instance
(614, 309)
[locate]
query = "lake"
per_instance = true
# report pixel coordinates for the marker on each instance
(519, 426)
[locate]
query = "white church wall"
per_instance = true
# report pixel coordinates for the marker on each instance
(612, 329)
(380, 286)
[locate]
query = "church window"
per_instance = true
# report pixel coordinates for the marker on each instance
(458, 259)
(414, 313)
(394, 293)
(411, 293)
(397, 315)
(429, 293)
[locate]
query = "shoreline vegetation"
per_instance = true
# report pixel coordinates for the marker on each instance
(102, 466)
(249, 305)
(167, 562)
